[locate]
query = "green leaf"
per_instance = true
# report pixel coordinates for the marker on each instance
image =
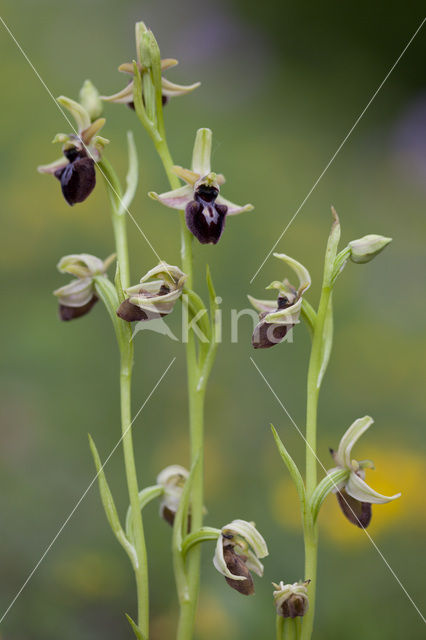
(145, 497)
(137, 631)
(331, 251)
(109, 506)
(327, 484)
(132, 176)
(327, 341)
(291, 466)
(196, 305)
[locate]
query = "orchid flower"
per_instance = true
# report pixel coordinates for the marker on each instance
(238, 550)
(78, 297)
(76, 170)
(172, 479)
(354, 495)
(278, 317)
(153, 299)
(205, 209)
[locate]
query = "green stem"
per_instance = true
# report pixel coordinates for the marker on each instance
(196, 423)
(126, 366)
(310, 529)
(289, 628)
(279, 627)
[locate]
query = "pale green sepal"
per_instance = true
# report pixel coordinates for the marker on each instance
(76, 293)
(359, 489)
(136, 630)
(77, 111)
(302, 273)
(331, 482)
(263, 305)
(288, 316)
(343, 454)
(291, 466)
(132, 176)
(109, 507)
(202, 152)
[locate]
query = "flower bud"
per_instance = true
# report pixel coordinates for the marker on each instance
(366, 248)
(291, 600)
(90, 100)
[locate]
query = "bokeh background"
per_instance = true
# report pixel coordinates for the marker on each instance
(282, 84)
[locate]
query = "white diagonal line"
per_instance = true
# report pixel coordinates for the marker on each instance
(70, 123)
(68, 518)
(347, 504)
(339, 148)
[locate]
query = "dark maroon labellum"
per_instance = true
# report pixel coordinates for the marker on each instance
(78, 178)
(69, 313)
(132, 313)
(357, 512)
(169, 516)
(267, 334)
(205, 221)
(236, 565)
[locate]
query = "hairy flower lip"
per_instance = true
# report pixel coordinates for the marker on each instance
(205, 208)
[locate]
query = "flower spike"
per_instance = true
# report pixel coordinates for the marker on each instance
(354, 495)
(205, 209)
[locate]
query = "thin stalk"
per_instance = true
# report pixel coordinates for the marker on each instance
(289, 629)
(126, 366)
(196, 424)
(279, 627)
(313, 386)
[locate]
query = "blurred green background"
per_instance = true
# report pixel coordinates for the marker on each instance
(282, 84)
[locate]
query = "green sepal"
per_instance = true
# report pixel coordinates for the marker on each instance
(136, 630)
(327, 484)
(110, 508)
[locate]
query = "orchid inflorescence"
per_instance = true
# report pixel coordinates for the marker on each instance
(239, 545)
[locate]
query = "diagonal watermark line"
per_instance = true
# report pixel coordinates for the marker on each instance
(339, 148)
(70, 123)
(324, 469)
(68, 518)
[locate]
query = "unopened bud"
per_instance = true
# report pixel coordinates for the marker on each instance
(366, 248)
(291, 600)
(89, 99)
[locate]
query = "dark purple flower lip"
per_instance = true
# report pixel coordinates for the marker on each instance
(205, 219)
(78, 178)
(357, 512)
(267, 334)
(70, 313)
